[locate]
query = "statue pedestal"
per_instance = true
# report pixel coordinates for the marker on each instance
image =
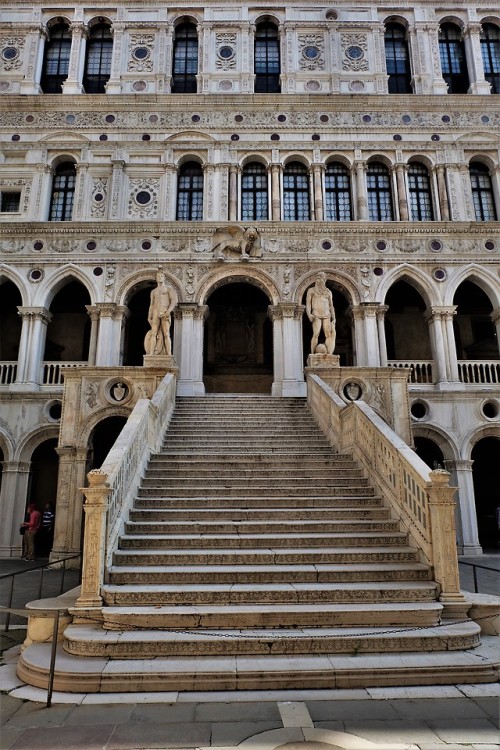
(163, 361)
(323, 361)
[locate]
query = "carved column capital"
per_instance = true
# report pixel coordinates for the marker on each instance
(35, 313)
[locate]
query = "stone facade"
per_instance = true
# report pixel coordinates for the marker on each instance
(401, 286)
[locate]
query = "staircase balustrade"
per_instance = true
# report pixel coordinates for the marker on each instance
(421, 499)
(113, 486)
(421, 371)
(479, 371)
(53, 372)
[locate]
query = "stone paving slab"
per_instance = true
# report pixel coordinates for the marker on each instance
(234, 732)
(132, 736)
(351, 710)
(92, 737)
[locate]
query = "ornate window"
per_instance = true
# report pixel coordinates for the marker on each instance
(185, 62)
(254, 192)
(56, 59)
(337, 193)
(453, 61)
(190, 192)
(378, 182)
(420, 193)
(267, 59)
(490, 50)
(397, 59)
(482, 192)
(10, 202)
(296, 192)
(63, 192)
(98, 59)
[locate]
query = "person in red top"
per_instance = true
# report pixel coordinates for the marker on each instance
(32, 526)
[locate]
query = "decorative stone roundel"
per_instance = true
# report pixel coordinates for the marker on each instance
(354, 52)
(4, 85)
(352, 391)
(10, 53)
(439, 274)
(140, 53)
(139, 85)
(143, 197)
(35, 275)
(117, 391)
(313, 86)
(225, 85)
(226, 52)
(357, 87)
(310, 52)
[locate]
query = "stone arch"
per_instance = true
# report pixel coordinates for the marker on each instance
(438, 435)
(387, 161)
(56, 20)
(339, 158)
(178, 20)
(95, 20)
(89, 424)
(413, 276)
(455, 20)
(255, 157)
(33, 440)
(477, 275)
(7, 445)
(226, 275)
(474, 436)
(482, 158)
(424, 159)
(11, 274)
(61, 158)
(395, 18)
(63, 136)
(52, 284)
(297, 157)
(268, 18)
(140, 279)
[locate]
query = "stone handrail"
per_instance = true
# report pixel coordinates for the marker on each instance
(113, 487)
(421, 370)
(53, 372)
(479, 371)
(421, 499)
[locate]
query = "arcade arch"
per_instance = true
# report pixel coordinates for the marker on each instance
(406, 330)
(486, 457)
(475, 335)
(10, 324)
(68, 332)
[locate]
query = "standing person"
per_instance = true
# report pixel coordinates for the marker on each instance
(47, 528)
(32, 527)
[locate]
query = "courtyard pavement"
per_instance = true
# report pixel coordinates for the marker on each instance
(455, 717)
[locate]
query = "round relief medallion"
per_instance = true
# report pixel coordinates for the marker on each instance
(226, 52)
(117, 391)
(139, 85)
(312, 86)
(140, 53)
(225, 85)
(354, 52)
(310, 53)
(357, 86)
(4, 85)
(35, 275)
(10, 53)
(143, 197)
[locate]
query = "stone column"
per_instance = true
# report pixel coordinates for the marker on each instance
(111, 318)
(495, 317)
(188, 347)
(318, 170)
(288, 354)
(233, 192)
(468, 539)
(170, 192)
(81, 192)
(380, 313)
(439, 85)
(357, 318)
(370, 312)
(472, 42)
(13, 495)
(94, 314)
(444, 209)
(209, 197)
(169, 45)
(73, 83)
(94, 544)
(114, 85)
(495, 184)
(420, 54)
(68, 521)
(434, 320)
(468, 203)
(31, 347)
(404, 214)
(444, 548)
(34, 47)
(361, 191)
(41, 192)
(275, 192)
(448, 314)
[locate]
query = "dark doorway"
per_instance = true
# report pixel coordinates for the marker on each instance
(486, 476)
(429, 452)
(343, 342)
(137, 325)
(10, 325)
(475, 334)
(238, 349)
(406, 330)
(101, 440)
(42, 489)
(68, 333)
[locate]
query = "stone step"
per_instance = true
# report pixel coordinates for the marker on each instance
(256, 593)
(272, 462)
(242, 492)
(345, 669)
(128, 561)
(160, 502)
(321, 476)
(252, 574)
(158, 528)
(257, 540)
(257, 514)
(251, 483)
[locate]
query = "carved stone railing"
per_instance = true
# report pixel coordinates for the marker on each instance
(479, 371)
(8, 372)
(114, 486)
(53, 372)
(421, 370)
(421, 499)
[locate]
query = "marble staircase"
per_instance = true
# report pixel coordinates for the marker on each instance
(256, 557)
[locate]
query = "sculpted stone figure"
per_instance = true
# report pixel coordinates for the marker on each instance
(236, 239)
(321, 313)
(163, 301)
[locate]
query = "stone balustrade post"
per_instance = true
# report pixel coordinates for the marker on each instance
(94, 542)
(444, 549)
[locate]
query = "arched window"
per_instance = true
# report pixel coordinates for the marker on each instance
(267, 59)
(295, 192)
(397, 59)
(56, 59)
(185, 62)
(420, 193)
(98, 59)
(63, 192)
(378, 181)
(490, 50)
(254, 192)
(337, 193)
(482, 192)
(453, 61)
(190, 192)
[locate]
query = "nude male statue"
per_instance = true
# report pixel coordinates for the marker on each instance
(321, 313)
(163, 301)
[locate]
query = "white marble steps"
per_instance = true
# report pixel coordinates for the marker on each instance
(251, 593)
(268, 525)
(329, 500)
(269, 643)
(156, 515)
(260, 489)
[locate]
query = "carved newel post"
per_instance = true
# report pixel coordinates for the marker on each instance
(444, 548)
(94, 542)
(158, 344)
(321, 313)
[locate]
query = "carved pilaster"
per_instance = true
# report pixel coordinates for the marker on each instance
(94, 546)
